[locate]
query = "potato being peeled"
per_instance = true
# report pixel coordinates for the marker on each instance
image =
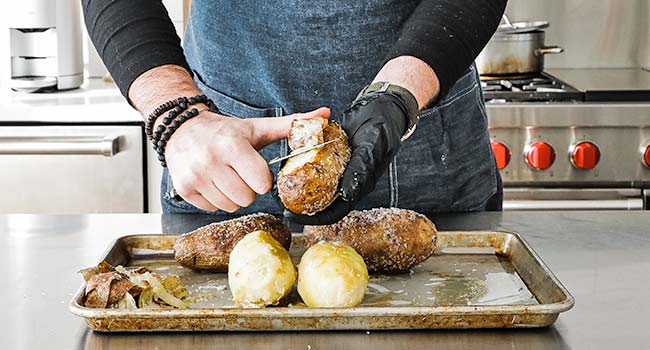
(260, 271)
(308, 182)
(332, 274)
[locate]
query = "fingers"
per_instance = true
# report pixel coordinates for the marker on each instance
(198, 201)
(251, 168)
(224, 191)
(269, 130)
(358, 175)
(212, 194)
(232, 186)
(322, 112)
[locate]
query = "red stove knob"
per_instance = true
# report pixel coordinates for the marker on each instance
(539, 155)
(646, 156)
(501, 153)
(585, 155)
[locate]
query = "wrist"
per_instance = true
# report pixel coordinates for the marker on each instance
(406, 101)
(179, 111)
(160, 84)
(414, 75)
(201, 107)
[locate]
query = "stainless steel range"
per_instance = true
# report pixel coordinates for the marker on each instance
(541, 87)
(572, 139)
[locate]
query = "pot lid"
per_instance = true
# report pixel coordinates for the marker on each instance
(522, 27)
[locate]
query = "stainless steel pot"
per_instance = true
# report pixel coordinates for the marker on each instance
(514, 53)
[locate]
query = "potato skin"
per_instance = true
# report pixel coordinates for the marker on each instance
(313, 186)
(208, 248)
(389, 240)
(106, 288)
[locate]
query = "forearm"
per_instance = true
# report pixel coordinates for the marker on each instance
(412, 74)
(159, 85)
(448, 35)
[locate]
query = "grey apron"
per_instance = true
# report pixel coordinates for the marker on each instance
(268, 59)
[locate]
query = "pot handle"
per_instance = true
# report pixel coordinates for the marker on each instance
(548, 49)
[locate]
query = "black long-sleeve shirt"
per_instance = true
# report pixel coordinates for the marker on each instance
(133, 36)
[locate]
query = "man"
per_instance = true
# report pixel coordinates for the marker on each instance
(382, 66)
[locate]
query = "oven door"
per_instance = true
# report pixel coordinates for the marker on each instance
(517, 198)
(71, 169)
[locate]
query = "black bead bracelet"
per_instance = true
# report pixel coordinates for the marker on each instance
(177, 115)
(160, 138)
(174, 107)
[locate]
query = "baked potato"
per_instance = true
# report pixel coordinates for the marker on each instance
(308, 182)
(389, 240)
(332, 274)
(208, 248)
(260, 271)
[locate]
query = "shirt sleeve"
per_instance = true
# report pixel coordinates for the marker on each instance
(448, 35)
(131, 37)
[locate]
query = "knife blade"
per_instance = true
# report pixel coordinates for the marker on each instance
(300, 151)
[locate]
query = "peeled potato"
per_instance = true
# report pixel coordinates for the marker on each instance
(332, 274)
(260, 271)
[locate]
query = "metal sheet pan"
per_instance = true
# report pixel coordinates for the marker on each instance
(475, 279)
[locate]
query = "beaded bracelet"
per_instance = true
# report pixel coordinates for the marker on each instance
(174, 107)
(170, 124)
(164, 133)
(151, 119)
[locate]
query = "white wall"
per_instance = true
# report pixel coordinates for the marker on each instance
(602, 33)
(175, 9)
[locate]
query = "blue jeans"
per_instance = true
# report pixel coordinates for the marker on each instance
(447, 164)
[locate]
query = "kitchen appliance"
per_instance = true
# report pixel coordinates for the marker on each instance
(72, 169)
(541, 87)
(558, 148)
(515, 53)
(45, 45)
(76, 151)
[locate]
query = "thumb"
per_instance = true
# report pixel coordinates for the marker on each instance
(269, 130)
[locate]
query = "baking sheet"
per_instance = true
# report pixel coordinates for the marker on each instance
(474, 280)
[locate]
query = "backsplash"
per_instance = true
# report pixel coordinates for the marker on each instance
(603, 33)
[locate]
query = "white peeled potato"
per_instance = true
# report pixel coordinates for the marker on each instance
(260, 271)
(332, 274)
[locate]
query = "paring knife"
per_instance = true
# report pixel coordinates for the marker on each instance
(300, 151)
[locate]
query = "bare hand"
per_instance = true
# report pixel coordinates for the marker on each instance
(214, 161)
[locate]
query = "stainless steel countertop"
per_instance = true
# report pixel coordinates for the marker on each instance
(603, 258)
(599, 79)
(96, 101)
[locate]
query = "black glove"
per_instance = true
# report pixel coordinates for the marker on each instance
(375, 124)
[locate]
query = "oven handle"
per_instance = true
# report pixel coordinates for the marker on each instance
(612, 204)
(107, 146)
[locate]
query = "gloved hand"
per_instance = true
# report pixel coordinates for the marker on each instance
(375, 124)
